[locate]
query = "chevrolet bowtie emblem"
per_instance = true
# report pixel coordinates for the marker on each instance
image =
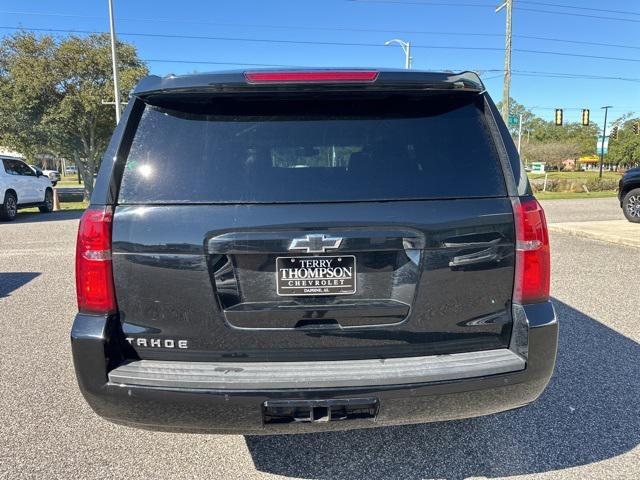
(315, 243)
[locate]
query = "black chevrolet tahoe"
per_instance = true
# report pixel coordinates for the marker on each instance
(291, 251)
(629, 194)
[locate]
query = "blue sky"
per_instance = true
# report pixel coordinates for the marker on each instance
(471, 24)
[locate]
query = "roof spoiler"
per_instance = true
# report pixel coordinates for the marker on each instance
(307, 79)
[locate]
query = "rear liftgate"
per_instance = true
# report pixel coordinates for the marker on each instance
(339, 279)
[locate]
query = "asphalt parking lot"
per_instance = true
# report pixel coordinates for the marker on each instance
(586, 424)
(599, 220)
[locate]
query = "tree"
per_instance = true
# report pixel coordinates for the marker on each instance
(551, 152)
(51, 92)
(585, 137)
(517, 109)
(546, 131)
(625, 149)
(26, 92)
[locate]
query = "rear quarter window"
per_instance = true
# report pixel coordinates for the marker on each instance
(318, 150)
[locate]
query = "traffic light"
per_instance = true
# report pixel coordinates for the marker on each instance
(559, 116)
(585, 117)
(614, 133)
(636, 128)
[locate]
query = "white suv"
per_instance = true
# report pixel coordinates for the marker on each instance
(53, 175)
(20, 187)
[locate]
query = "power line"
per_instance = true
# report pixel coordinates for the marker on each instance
(568, 75)
(439, 3)
(599, 17)
(429, 3)
(205, 62)
(577, 42)
(330, 29)
(240, 39)
(207, 37)
(579, 55)
(575, 77)
(246, 25)
(253, 25)
(309, 42)
(577, 7)
(449, 4)
(491, 77)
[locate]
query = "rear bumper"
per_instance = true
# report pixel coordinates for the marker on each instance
(225, 408)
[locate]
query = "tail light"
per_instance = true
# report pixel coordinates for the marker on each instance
(94, 276)
(312, 76)
(533, 264)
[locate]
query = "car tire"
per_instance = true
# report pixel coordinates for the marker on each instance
(47, 207)
(9, 207)
(631, 205)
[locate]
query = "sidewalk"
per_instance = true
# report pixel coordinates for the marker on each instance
(621, 232)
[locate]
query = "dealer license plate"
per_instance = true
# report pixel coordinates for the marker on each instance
(308, 276)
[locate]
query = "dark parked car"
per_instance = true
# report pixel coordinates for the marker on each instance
(333, 249)
(629, 194)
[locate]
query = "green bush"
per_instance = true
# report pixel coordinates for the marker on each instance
(559, 185)
(601, 184)
(576, 185)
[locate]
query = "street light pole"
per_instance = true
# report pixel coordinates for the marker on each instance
(604, 133)
(507, 60)
(114, 61)
(407, 57)
(406, 48)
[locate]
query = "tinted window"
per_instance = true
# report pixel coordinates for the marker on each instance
(8, 166)
(23, 169)
(12, 167)
(314, 151)
(16, 167)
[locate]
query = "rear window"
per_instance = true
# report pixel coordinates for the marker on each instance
(317, 150)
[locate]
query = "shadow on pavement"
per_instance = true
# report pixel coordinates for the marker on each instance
(588, 413)
(34, 217)
(11, 281)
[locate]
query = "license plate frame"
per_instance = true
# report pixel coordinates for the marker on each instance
(341, 282)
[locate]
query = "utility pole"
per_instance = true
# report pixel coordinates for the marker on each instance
(114, 61)
(507, 59)
(406, 48)
(604, 135)
(519, 133)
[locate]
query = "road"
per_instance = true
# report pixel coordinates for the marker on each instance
(582, 210)
(586, 424)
